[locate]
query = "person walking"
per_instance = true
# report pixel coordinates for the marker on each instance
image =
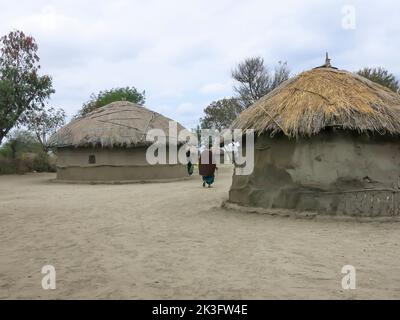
(207, 167)
(189, 163)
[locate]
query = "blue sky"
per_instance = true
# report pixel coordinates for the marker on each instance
(182, 52)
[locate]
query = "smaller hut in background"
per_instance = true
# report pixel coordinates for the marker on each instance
(327, 141)
(109, 145)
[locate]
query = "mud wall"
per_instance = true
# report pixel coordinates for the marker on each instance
(331, 173)
(113, 165)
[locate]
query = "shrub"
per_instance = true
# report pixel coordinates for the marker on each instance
(7, 166)
(28, 162)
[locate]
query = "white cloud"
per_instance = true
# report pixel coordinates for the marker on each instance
(185, 108)
(216, 87)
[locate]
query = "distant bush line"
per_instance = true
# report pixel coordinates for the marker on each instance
(22, 153)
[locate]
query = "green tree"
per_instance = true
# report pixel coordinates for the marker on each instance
(105, 97)
(22, 89)
(254, 79)
(23, 153)
(382, 76)
(44, 123)
(220, 114)
(19, 141)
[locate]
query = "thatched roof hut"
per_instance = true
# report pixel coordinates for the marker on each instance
(327, 140)
(109, 144)
(324, 97)
(116, 125)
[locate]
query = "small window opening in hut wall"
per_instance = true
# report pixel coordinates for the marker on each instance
(92, 159)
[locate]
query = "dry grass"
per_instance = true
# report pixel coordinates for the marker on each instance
(320, 98)
(118, 124)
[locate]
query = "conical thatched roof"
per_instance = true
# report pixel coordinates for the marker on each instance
(320, 98)
(118, 124)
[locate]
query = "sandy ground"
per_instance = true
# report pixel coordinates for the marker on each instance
(173, 241)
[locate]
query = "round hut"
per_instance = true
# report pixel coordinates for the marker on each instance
(109, 145)
(326, 141)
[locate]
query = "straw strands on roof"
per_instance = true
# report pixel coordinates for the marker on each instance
(320, 98)
(118, 124)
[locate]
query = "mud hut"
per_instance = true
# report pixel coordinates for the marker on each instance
(326, 141)
(109, 145)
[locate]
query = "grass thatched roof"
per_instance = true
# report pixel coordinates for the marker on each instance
(118, 124)
(320, 98)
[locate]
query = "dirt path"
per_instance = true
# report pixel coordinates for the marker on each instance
(145, 241)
